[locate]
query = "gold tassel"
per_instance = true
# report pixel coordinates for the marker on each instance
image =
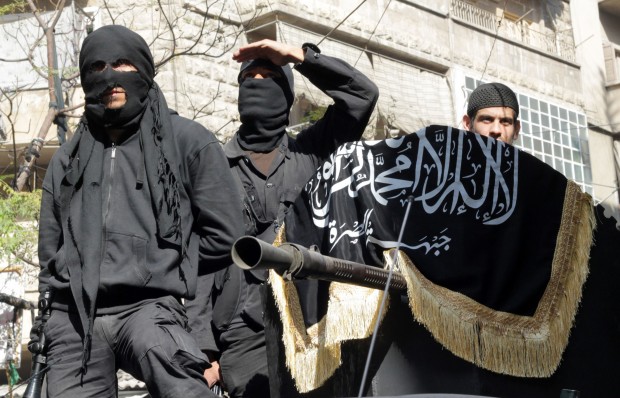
(314, 354)
(494, 340)
(309, 362)
(503, 342)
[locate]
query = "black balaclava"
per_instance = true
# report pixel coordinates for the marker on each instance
(264, 106)
(490, 95)
(111, 44)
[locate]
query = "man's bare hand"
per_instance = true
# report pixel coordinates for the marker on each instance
(213, 375)
(276, 52)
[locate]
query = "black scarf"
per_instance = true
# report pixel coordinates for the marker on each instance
(264, 106)
(81, 212)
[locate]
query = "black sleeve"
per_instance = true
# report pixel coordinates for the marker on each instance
(50, 239)
(200, 314)
(50, 232)
(217, 208)
(354, 95)
(218, 221)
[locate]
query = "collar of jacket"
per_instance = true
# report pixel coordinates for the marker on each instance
(234, 152)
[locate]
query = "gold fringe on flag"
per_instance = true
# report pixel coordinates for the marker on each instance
(503, 342)
(498, 341)
(313, 354)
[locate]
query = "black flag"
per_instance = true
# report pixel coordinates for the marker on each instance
(498, 244)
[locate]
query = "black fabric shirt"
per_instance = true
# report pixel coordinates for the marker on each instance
(136, 266)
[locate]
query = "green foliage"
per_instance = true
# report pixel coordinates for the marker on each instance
(70, 71)
(19, 222)
(13, 374)
(314, 114)
(15, 7)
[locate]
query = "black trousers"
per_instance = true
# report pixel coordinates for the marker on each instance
(244, 365)
(150, 342)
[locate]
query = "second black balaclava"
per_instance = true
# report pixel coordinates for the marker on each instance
(264, 106)
(113, 44)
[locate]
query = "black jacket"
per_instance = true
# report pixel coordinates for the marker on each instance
(232, 295)
(135, 265)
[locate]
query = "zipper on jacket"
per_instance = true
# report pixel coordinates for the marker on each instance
(106, 205)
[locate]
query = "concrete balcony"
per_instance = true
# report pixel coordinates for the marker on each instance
(559, 44)
(610, 6)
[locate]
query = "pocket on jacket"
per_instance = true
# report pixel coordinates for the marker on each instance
(124, 261)
(252, 312)
(230, 299)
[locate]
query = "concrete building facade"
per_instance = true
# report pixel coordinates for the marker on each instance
(561, 57)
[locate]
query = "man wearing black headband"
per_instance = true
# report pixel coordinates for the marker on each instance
(131, 206)
(273, 169)
(493, 111)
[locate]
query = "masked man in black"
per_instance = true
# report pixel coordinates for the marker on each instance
(130, 207)
(272, 168)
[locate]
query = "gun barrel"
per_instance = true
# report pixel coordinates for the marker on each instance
(292, 260)
(35, 385)
(250, 253)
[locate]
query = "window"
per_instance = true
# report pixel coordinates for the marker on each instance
(612, 62)
(554, 134)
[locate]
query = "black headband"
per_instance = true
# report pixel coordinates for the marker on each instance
(113, 42)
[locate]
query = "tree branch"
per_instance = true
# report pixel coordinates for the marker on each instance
(17, 302)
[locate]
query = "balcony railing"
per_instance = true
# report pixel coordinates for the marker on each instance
(558, 44)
